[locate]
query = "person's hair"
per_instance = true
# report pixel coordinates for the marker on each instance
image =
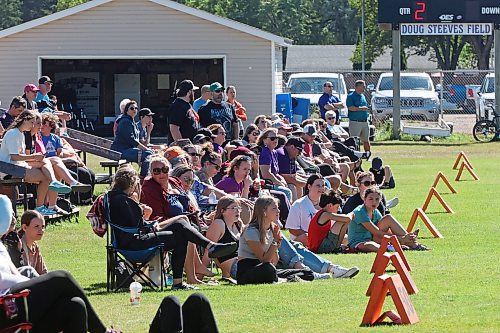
(214, 128)
(191, 146)
(125, 178)
(330, 113)
(51, 118)
(359, 83)
(265, 134)
(230, 87)
(157, 158)
(128, 105)
(362, 174)
(327, 82)
(258, 216)
(372, 189)
(18, 101)
(281, 140)
(259, 118)
(321, 122)
(250, 128)
(330, 197)
(307, 122)
(222, 205)
(122, 104)
(208, 154)
(312, 178)
(51, 97)
(205, 88)
(236, 162)
(18, 121)
(180, 170)
(27, 217)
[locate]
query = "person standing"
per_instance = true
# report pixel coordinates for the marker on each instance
(358, 114)
(183, 119)
(205, 97)
(329, 102)
(216, 111)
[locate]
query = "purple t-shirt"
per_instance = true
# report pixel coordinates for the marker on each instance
(269, 157)
(286, 165)
(229, 185)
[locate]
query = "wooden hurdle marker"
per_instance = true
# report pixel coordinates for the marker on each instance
(441, 176)
(393, 240)
(459, 157)
(469, 169)
(381, 268)
(435, 193)
(418, 212)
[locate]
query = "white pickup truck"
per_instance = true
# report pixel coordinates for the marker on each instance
(419, 100)
(486, 97)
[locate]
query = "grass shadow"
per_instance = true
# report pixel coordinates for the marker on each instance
(436, 213)
(424, 144)
(96, 289)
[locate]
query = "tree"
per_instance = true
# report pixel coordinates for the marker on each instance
(482, 48)
(65, 4)
(10, 13)
(33, 9)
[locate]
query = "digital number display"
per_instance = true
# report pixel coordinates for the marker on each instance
(439, 11)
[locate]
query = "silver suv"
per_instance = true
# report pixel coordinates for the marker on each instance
(419, 100)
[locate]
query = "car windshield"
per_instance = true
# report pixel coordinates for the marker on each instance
(407, 83)
(489, 85)
(313, 85)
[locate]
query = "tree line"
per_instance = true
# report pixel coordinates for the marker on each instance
(306, 22)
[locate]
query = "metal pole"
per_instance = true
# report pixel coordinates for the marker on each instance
(396, 81)
(497, 72)
(362, 39)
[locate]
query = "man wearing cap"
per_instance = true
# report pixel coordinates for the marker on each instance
(358, 114)
(43, 101)
(283, 128)
(328, 101)
(204, 98)
(145, 126)
(182, 118)
(217, 111)
(287, 161)
(30, 91)
(16, 107)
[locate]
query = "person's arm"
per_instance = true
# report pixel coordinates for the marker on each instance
(342, 218)
(149, 130)
(246, 187)
(175, 132)
(25, 157)
(265, 170)
(236, 131)
(215, 230)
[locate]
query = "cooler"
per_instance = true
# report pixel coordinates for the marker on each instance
(284, 104)
(301, 110)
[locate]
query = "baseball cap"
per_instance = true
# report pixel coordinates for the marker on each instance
(187, 85)
(310, 129)
(281, 124)
(31, 87)
(240, 151)
(173, 152)
(277, 116)
(254, 148)
(201, 139)
(216, 86)
(206, 132)
(296, 142)
(145, 112)
(44, 79)
(377, 163)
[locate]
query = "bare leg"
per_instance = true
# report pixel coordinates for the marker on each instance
(294, 191)
(189, 265)
(388, 222)
(34, 175)
(61, 171)
(368, 247)
(387, 174)
(344, 171)
(366, 145)
(339, 229)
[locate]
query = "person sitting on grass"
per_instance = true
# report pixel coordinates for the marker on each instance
(368, 227)
(32, 230)
(328, 228)
(383, 174)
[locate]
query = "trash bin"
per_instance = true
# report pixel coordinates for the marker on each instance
(301, 110)
(284, 105)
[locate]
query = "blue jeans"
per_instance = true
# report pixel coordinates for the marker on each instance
(285, 190)
(291, 252)
(132, 155)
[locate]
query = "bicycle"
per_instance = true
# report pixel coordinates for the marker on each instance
(486, 130)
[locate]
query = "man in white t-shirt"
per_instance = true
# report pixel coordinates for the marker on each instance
(301, 213)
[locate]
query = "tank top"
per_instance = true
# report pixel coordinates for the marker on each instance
(228, 238)
(317, 232)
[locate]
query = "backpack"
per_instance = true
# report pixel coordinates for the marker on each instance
(97, 215)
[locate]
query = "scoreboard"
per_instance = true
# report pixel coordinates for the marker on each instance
(439, 11)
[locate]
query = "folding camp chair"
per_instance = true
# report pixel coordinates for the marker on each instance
(8, 303)
(132, 262)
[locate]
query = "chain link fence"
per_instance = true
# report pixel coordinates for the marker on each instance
(432, 102)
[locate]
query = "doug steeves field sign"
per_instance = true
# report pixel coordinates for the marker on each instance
(441, 29)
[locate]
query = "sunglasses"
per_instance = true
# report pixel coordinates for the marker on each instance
(218, 91)
(255, 133)
(157, 171)
(272, 138)
(217, 167)
(133, 108)
(369, 182)
(194, 154)
(330, 118)
(235, 208)
(188, 180)
(329, 86)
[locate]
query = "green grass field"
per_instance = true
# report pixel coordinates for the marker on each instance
(458, 280)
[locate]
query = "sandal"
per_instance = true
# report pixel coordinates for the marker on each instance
(419, 247)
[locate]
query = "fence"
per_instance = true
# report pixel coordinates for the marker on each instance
(435, 102)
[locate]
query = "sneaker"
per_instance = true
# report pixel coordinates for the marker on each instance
(367, 155)
(219, 250)
(384, 186)
(322, 276)
(59, 187)
(79, 187)
(184, 286)
(342, 272)
(59, 210)
(295, 278)
(45, 211)
(392, 203)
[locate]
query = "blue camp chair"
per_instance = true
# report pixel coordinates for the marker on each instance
(131, 262)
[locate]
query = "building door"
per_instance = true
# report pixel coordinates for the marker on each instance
(127, 86)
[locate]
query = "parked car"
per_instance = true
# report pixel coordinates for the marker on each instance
(310, 85)
(419, 100)
(486, 96)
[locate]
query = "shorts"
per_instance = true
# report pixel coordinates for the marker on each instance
(361, 129)
(329, 243)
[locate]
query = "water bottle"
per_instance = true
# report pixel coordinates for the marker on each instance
(135, 293)
(212, 198)
(169, 279)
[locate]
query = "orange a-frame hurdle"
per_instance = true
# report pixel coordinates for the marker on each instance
(393, 240)
(435, 193)
(459, 157)
(418, 212)
(469, 168)
(441, 176)
(381, 267)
